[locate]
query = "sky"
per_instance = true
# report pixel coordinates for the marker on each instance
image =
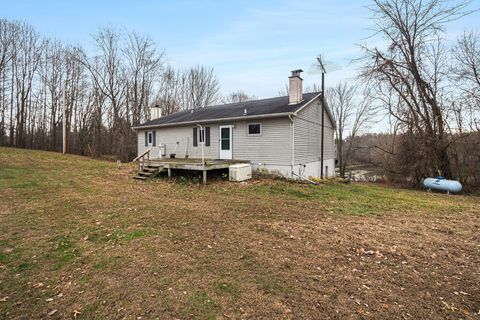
(252, 45)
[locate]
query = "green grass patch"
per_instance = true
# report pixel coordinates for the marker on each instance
(22, 267)
(249, 260)
(173, 237)
(228, 288)
(273, 284)
(202, 306)
(65, 250)
(135, 234)
(107, 263)
(359, 199)
(18, 178)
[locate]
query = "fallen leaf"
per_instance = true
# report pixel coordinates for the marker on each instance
(51, 313)
(76, 313)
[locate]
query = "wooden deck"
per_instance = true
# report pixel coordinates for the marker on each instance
(195, 164)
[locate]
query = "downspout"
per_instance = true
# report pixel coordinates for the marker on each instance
(293, 144)
(203, 142)
(323, 123)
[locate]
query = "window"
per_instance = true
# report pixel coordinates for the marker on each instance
(201, 136)
(150, 138)
(254, 129)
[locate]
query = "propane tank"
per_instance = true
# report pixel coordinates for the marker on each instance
(442, 184)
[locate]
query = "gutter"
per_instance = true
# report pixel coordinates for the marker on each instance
(293, 144)
(195, 122)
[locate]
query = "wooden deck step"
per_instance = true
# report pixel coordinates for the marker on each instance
(149, 172)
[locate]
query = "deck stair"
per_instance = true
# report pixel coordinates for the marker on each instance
(146, 169)
(148, 172)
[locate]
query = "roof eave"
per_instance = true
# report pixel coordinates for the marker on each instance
(259, 116)
(327, 109)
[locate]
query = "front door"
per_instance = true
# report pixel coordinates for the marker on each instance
(226, 142)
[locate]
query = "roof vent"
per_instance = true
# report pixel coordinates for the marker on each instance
(245, 111)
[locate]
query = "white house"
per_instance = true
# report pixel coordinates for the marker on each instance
(281, 135)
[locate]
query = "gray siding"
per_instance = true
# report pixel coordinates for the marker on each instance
(308, 134)
(273, 146)
(169, 136)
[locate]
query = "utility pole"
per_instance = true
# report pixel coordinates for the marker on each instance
(323, 113)
(64, 120)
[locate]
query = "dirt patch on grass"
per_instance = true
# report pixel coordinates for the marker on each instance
(81, 237)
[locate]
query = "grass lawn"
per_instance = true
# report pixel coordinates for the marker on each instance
(81, 239)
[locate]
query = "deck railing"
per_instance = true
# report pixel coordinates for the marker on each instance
(143, 159)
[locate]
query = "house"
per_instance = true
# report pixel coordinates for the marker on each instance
(281, 135)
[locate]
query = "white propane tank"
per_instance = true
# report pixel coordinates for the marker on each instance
(442, 184)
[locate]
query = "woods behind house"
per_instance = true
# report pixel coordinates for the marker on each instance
(427, 87)
(104, 93)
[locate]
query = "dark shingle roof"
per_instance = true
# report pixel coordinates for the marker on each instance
(261, 107)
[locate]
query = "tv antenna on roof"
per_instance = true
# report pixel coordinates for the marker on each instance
(323, 66)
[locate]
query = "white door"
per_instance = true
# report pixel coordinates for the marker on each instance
(226, 142)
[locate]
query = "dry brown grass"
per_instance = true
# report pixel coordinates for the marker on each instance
(86, 235)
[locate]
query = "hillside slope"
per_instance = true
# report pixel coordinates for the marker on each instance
(81, 237)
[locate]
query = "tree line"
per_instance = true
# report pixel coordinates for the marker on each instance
(105, 92)
(426, 86)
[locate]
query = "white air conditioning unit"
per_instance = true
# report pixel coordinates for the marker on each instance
(240, 172)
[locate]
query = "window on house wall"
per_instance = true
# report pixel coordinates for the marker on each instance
(254, 129)
(150, 138)
(201, 136)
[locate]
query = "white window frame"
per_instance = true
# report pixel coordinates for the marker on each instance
(254, 134)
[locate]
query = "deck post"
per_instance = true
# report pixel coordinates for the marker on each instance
(204, 176)
(169, 173)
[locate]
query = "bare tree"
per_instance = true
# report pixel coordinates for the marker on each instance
(143, 65)
(6, 54)
(170, 93)
(25, 61)
(105, 93)
(201, 88)
(238, 96)
(412, 70)
(466, 71)
(352, 112)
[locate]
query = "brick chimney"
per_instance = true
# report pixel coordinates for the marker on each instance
(295, 87)
(155, 112)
